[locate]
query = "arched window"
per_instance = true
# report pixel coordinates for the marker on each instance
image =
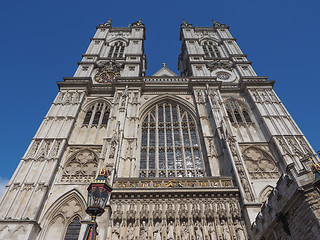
(237, 113)
(210, 49)
(97, 115)
(116, 50)
(73, 229)
(170, 143)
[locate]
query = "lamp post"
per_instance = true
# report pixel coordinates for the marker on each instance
(98, 194)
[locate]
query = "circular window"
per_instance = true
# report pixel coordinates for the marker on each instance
(223, 76)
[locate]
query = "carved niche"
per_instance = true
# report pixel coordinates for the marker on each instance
(259, 164)
(81, 168)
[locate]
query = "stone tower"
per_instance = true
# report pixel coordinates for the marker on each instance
(211, 154)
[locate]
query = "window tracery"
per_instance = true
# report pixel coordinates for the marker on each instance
(170, 143)
(97, 115)
(237, 113)
(210, 49)
(81, 168)
(116, 50)
(260, 164)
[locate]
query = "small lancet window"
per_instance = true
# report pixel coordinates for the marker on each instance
(230, 117)
(97, 114)
(116, 50)
(73, 230)
(238, 116)
(210, 49)
(246, 116)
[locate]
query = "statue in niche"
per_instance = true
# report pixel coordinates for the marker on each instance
(185, 234)
(198, 231)
(212, 231)
(239, 230)
(157, 231)
(225, 230)
(116, 231)
(143, 231)
(130, 235)
(170, 233)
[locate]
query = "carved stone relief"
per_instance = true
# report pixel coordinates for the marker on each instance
(259, 164)
(81, 168)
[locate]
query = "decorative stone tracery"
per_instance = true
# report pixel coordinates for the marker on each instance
(81, 168)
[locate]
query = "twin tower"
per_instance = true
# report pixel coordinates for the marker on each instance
(209, 155)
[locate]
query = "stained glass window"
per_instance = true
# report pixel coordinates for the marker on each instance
(170, 143)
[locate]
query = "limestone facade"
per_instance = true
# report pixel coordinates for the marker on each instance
(204, 155)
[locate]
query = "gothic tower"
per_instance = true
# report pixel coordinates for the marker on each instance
(211, 154)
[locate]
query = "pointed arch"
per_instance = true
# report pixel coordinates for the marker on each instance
(167, 98)
(264, 193)
(260, 164)
(238, 111)
(170, 140)
(59, 215)
(96, 113)
(81, 166)
(117, 39)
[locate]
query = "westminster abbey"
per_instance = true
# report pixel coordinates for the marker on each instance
(211, 154)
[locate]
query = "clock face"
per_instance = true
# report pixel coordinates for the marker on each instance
(105, 76)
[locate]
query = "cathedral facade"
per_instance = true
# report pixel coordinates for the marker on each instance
(209, 155)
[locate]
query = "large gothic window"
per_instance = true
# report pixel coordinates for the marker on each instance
(170, 145)
(97, 115)
(236, 112)
(116, 50)
(210, 49)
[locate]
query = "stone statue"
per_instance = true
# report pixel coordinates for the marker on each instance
(170, 233)
(225, 230)
(130, 235)
(239, 230)
(185, 234)
(143, 231)
(212, 231)
(198, 232)
(116, 231)
(157, 232)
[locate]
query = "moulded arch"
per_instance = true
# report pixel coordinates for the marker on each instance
(55, 208)
(73, 155)
(89, 104)
(163, 98)
(213, 39)
(116, 39)
(264, 193)
(240, 102)
(265, 152)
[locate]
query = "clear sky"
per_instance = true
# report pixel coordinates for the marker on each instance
(42, 41)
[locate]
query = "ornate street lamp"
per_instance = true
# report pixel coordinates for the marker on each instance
(315, 167)
(98, 194)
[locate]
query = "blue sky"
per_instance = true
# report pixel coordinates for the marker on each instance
(42, 41)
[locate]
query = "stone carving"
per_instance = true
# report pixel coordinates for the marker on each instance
(220, 64)
(55, 149)
(114, 140)
(285, 148)
(109, 65)
(185, 234)
(130, 235)
(212, 231)
(82, 168)
(185, 24)
(116, 231)
(245, 183)
(106, 24)
(198, 231)
(157, 232)
(259, 164)
(200, 97)
(239, 230)
(138, 23)
(217, 24)
(34, 148)
(170, 231)
(304, 145)
(143, 231)
(225, 230)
